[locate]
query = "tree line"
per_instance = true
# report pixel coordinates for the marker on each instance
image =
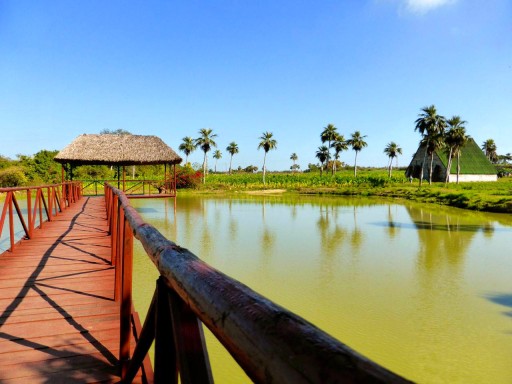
(436, 131)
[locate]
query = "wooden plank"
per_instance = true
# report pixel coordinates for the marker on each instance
(58, 320)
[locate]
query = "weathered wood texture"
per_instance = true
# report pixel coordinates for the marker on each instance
(59, 322)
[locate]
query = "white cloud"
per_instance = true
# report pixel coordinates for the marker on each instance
(423, 6)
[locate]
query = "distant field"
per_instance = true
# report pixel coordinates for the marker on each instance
(484, 196)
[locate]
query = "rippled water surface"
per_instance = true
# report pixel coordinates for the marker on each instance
(424, 290)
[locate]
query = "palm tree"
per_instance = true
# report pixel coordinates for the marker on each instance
(217, 155)
(232, 148)
(463, 139)
(357, 143)
(339, 144)
(429, 124)
(205, 142)
(267, 143)
(329, 135)
(455, 138)
(489, 147)
(294, 158)
(322, 154)
(392, 150)
(187, 147)
(433, 144)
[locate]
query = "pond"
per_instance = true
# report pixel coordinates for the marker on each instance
(423, 290)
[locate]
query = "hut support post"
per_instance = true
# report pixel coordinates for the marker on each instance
(124, 178)
(174, 187)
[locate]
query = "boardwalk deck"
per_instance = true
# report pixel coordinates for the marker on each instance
(58, 318)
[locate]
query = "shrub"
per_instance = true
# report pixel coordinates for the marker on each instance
(12, 177)
(187, 177)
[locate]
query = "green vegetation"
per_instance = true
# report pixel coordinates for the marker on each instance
(482, 196)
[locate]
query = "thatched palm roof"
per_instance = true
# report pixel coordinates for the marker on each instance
(117, 150)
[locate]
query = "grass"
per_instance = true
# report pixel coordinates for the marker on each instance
(481, 196)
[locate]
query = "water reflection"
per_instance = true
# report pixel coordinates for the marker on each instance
(391, 225)
(332, 234)
(407, 285)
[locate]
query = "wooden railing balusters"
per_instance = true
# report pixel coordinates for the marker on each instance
(12, 206)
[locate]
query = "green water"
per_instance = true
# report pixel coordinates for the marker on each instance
(423, 290)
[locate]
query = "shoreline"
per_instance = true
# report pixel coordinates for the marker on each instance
(481, 202)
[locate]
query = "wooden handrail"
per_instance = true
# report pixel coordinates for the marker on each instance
(52, 198)
(270, 343)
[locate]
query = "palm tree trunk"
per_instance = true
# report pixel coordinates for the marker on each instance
(230, 162)
(333, 161)
(423, 163)
(355, 166)
(264, 169)
(204, 168)
(431, 168)
(389, 166)
(449, 167)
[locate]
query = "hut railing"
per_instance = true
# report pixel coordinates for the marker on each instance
(133, 188)
(270, 343)
(43, 203)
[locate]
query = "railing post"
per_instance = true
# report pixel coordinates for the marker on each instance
(4, 212)
(114, 231)
(30, 218)
(38, 205)
(166, 359)
(50, 203)
(119, 251)
(193, 361)
(126, 293)
(11, 222)
(144, 339)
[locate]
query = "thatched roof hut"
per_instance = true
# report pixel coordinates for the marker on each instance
(109, 149)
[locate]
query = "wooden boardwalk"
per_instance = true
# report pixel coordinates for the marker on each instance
(59, 322)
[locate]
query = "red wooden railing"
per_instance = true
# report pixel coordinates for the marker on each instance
(270, 343)
(43, 204)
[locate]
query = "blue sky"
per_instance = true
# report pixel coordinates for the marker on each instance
(241, 67)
